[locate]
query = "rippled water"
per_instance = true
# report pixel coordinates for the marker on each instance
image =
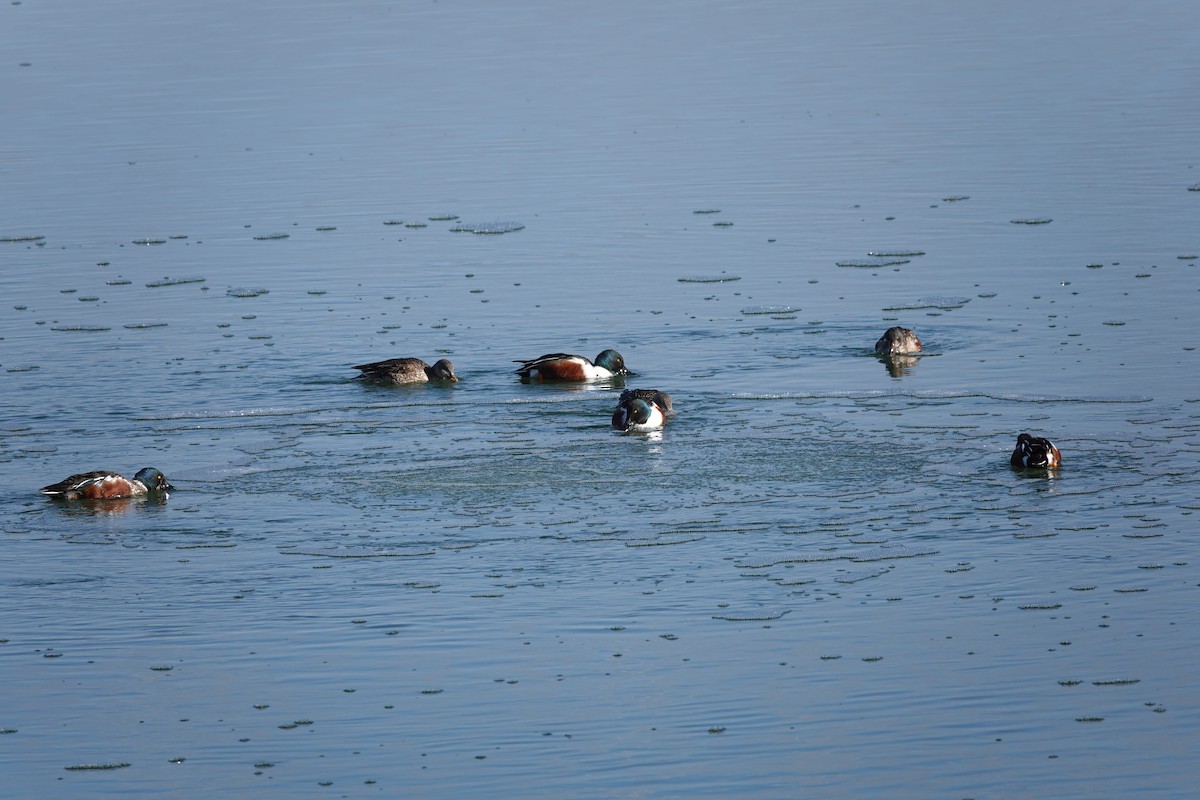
(820, 579)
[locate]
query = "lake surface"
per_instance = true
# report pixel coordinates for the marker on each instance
(821, 579)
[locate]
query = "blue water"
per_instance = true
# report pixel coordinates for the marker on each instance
(821, 579)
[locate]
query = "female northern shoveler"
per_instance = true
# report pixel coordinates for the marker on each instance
(566, 367)
(1033, 451)
(641, 410)
(898, 341)
(406, 370)
(107, 485)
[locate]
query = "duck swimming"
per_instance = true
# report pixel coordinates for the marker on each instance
(1033, 451)
(567, 367)
(406, 370)
(897, 341)
(641, 410)
(107, 485)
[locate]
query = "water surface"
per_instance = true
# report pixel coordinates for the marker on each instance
(821, 579)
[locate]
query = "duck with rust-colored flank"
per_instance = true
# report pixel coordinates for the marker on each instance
(107, 485)
(641, 410)
(1035, 452)
(567, 367)
(406, 370)
(898, 341)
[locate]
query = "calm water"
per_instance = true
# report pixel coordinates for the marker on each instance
(820, 580)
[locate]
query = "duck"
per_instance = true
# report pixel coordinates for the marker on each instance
(641, 410)
(105, 484)
(897, 341)
(406, 370)
(1036, 452)
(567, 367)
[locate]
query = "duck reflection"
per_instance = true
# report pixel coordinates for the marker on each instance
(899, 366)
(567, 387)
(108, 508)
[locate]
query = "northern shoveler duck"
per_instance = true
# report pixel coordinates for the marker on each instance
(406, 370)
(107, 485)
(1034, 451)
(641, 410)
(898, 341)
(566, 367)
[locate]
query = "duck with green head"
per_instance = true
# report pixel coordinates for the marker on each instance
(568, 367)
(105, 484)
(641, 410)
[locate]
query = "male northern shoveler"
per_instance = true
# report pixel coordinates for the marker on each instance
(406, 370)
(1033, 451)
(107, 485)
(898, 341)
(641, 410)
(566, 367)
